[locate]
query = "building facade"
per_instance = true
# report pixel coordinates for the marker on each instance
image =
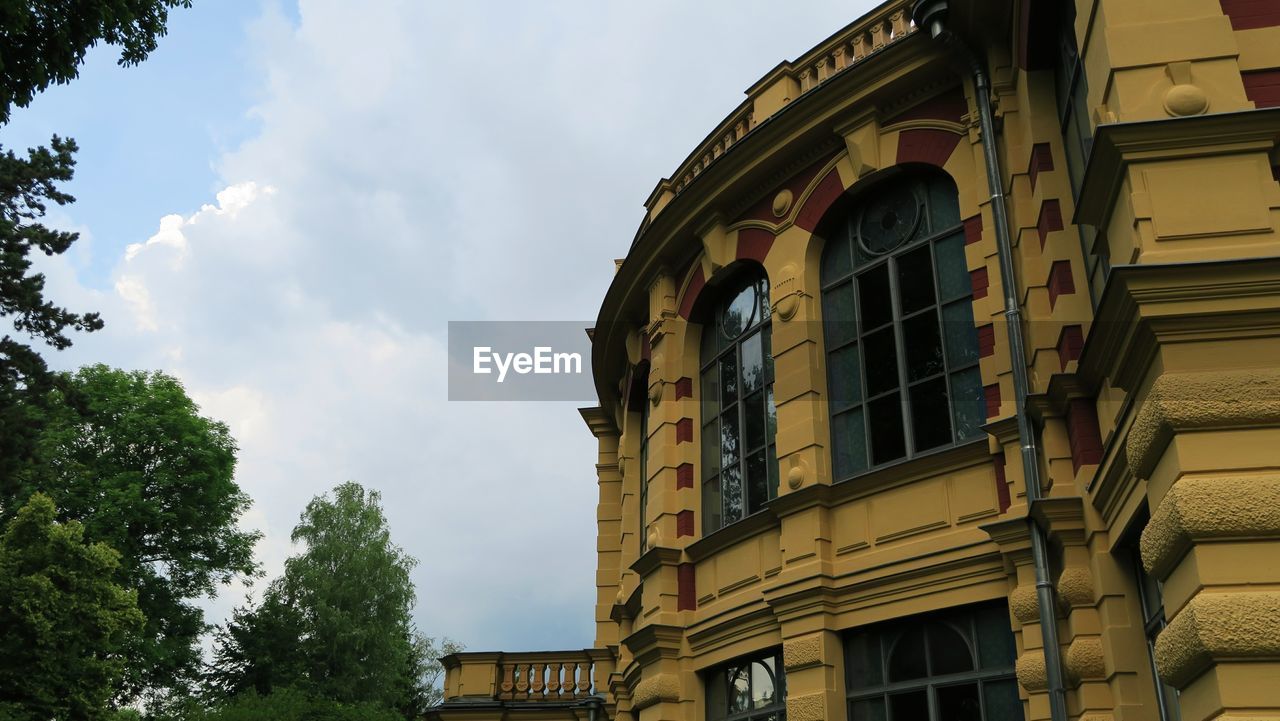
(942, 381)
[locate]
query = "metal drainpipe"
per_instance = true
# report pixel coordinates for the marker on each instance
(932, 14)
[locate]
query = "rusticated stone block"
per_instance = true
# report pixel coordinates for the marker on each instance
(801, 652)
(655, 689)
(1075, 586)
(1031, 671)
(1203, 508)
(1024, 604)
(1085, 660)
(809, 707)
(1214, 626)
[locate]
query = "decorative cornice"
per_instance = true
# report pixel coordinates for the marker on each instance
(598, 421)
(655, 558)
(653, 642)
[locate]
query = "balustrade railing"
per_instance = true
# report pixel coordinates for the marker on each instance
(527, 676)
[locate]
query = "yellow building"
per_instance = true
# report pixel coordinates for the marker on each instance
(942, 381)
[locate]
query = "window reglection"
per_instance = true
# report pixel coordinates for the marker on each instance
(902, 350)
(747, 690)
(644, 474)
(739, 458)
(954, 666)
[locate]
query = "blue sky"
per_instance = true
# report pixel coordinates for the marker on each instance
(288, 201)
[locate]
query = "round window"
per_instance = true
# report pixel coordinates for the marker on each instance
(739, 313)
(889, 220)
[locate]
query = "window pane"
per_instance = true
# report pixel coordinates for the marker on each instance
(962, 336)
(767, 339)
(711, 449)
(953, 271)
(757, 481)
(764, 686)
(711, 506)
(948, 651)
(968, 409)
(752, 364)
(771, 466)
(845, 373)
(739, 314)
(880, 358)
(717, 695)
(730, 448)
(890, 218)
(915, 279)
(839, 315)
(906, 656)
(873, 297)
(709, 346)
(766, 308)
(1002, 702)
(923, 345)
(996, 647)
(910, 706)
(710, 394)
(886, 429)
(837, 261)
(930, 425)
(755, 421)
(944, 206)
(867, 709)
(729, 379)
(865, 666)
(731, 487)
(849, 436)
(959, 703)
(739, 689)
(771, 415)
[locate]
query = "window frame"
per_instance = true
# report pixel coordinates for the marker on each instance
(644, 474)
(776, 711)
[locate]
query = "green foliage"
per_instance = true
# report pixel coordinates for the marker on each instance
(65, 619)
(43, 42)
(128, 455)
(337, 623)
(287, 704)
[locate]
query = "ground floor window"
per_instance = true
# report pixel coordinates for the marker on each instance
(951, 666)
(749, 689)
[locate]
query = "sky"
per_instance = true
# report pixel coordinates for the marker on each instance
(285, 205)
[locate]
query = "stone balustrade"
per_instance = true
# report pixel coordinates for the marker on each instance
(551, 676)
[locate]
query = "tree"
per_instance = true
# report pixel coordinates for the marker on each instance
(128, 455)
(337, 624)
(288, 704)
(65, 619)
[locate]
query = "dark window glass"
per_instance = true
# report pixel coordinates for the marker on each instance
(644, 474)
(898, 317)
(751, 689)
(739, 421)
(931, 668)
(1151, 601)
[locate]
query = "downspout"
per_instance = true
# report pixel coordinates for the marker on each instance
(932, 14)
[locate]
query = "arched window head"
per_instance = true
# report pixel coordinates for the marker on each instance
(739, 458)
(902, 350)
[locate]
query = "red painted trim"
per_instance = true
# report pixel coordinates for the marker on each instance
(815, 206)
(1002, 483)
(986, 340)
(696, 284)
(926, 145)
(1041, 162)
(684, 430)
(684, 523)
(1262, 87)
(684, 388)
(973, 229)
(1070, 341)
(684, 475)
(1050, 219)
(949, 105)
(1061, 282)
(1083, 434)
(763, 208)
(979, 281)
(1250, 14)
(754, 244)
(991, 394)
(686, 593)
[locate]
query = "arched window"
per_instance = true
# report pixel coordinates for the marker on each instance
(902, 350)
(751, 689)
(739, 459)
(644, 474)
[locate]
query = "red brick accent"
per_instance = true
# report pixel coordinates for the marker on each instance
(979, 281)
(684, 430)
(763, 208)
(754, 243)
(986, 340)
(815, 206)
(1262, 87)
(1083, 433)
(973, 229)
(1070, 341)
(950, 106)
(991, 394)
(686, 593)
(1041, 162)
(1249, 14)
(684, 523)
(1002, 483)
(696, 284)
(1061, 282)
(684, 388)
(1050, 219)
(926, 146)
(684, 475)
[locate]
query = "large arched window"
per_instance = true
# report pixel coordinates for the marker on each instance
(902, 350)
(739, 459)
(750, 689)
